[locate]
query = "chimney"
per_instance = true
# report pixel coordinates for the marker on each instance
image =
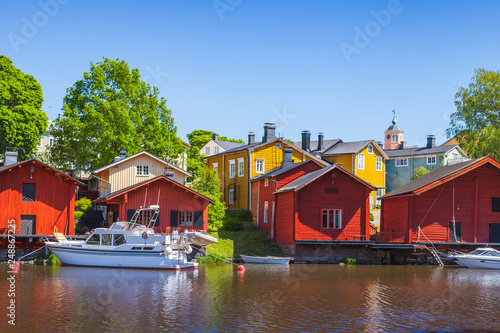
(321, 136)
(306, 141)
(215, 137)
(403, 145)
(381, 144)
(10, 158)
(269, 132)
(169, 173)
(431, 141)
(287, 157)
(123, 154)
(116, 159)
(251, 138)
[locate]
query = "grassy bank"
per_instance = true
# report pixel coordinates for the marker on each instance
(240, 236)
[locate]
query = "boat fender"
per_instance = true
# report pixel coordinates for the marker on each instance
(188, 249)
(145, 235)
(168, 250)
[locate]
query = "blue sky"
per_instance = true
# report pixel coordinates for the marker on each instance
(231, 65)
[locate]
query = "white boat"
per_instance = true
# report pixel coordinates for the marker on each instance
(131, 245)
(483, 257)
(265, 260)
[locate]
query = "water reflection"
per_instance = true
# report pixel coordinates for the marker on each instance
(218, 298)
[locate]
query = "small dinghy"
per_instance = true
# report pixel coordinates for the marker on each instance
(265, 260)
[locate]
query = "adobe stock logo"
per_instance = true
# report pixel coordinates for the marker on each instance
(40, 19)
(372, 29)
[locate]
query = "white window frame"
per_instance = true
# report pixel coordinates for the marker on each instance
(361, 161)
(395, 138)
(259, 165)
(266, 211)
(231, 196)
(232, 168)
(216, 149)
(370, 149)
(266, 182)
(401, 162)
(241, 167)
(207, 150)
(378, 163)
(431, 158)
(142, 170)
(337, 218)
(215, 166)
(51, 141)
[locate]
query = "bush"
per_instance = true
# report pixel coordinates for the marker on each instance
(231, 224)
(349, 261)
(81, 229)
(372, 218)
(242, 215)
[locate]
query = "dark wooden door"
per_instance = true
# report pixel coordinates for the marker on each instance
(494, 233)
(457, 232)
(28, 225)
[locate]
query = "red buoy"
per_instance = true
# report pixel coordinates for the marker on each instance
(14, 267)
(241, 268)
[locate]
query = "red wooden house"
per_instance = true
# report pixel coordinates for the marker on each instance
(308, 203)
(180, 206)
(37, 197)
(456, 203)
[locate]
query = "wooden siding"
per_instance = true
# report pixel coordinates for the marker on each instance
(54, 204)
(172, 197)
(285, 218)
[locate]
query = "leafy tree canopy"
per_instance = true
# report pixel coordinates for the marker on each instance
(207, 183)
(476, 123)
(420, 171)
(110, 110)
(22, 122)
(199, 138)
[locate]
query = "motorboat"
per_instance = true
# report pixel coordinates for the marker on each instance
(131, 245)
(483, 257)
(265, 260)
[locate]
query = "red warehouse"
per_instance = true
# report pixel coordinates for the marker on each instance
(456, 203)
(180, 206)
(37, 197)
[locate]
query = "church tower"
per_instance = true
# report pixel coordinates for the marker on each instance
(393, 136)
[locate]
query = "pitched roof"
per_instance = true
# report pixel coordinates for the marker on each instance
(394, 128)
(312, 176)
(439, 176)
(419, 151)
(279, 170)
(65, 177)
(141, 153)
(228, 145)
(327, 144)
(132, 187)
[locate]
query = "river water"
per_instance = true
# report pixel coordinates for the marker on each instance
(218, 298)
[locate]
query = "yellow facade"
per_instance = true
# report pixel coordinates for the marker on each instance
(249, 163)
(367, 171)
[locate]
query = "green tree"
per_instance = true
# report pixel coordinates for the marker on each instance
(476, 123)
(208, 184)
(22, 122)
(420, 171)
(109, 110)
(199, 138)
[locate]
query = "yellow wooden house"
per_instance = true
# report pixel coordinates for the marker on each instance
(365, 159)
(237, 166)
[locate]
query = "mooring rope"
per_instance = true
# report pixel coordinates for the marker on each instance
(199, 249)
(30, 253)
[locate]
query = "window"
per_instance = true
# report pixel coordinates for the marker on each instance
(186, 219)
(266, 182)
(380, 192)
(216, 150)
(241, 167)
(332, 218)
(231, 196)
(431, 160)
(142, 170)
(106, 239)
(266, 211)
(215, 166)
(259, 166)
(495, 205)
(378, 163)
(370, 149)
(28, 192)
(207, 151)
(95, 239)
(361, 161)
(119, 239)
(232, 169)
(395, 138)
(144, 217)
(402, 162)
(51, 141)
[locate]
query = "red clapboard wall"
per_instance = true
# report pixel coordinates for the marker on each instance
(168, 194)
(54, 198)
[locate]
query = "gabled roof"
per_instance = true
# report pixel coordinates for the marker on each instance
(439, 176)
(312, 176)
(327, 144)
(420, 151)
(146, 182)
(138, 154)
(65, 177)
(228, 145)
(279, 170)
(345, 148)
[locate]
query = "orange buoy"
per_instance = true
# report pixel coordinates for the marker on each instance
(241, 268)
(14, 266)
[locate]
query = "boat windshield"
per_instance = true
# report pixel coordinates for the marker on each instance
(486, 252)
(126, 226)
